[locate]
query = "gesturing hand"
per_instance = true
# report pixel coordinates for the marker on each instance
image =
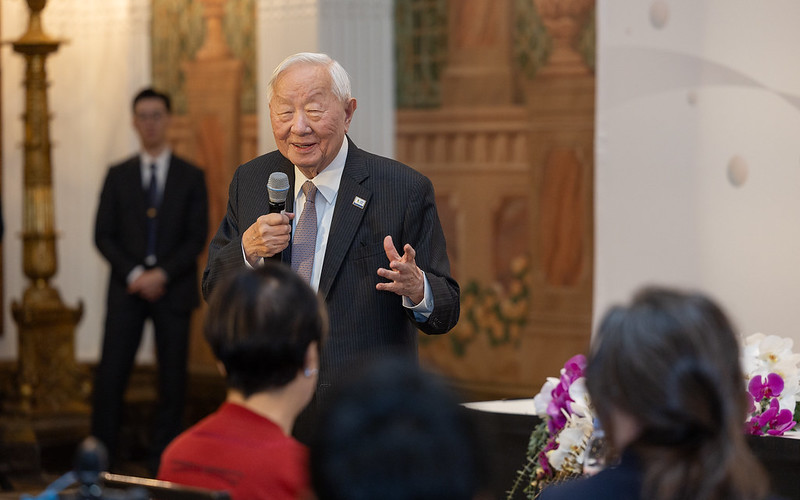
(405, 278)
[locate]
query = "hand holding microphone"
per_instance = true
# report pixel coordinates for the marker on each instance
(270, 234)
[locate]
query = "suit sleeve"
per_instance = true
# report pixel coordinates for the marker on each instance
(225, 251)
(424, 232)
(106, 228)
(183, 258)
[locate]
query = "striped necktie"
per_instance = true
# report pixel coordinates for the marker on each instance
(304, 241)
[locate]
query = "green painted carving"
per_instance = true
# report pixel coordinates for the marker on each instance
(532, 44)
(421, 47)
(500, 314)
(587, 44)
(178, 32)
(421, 51)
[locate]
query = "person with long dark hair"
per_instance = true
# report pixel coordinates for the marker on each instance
(665, 378)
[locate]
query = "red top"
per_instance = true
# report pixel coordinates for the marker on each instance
(237, 450)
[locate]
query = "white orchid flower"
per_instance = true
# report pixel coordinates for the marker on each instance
(571, 442)
(543, 399)
(772, 349)
(581, 404)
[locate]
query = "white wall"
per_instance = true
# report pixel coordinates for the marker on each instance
(685, 90)
(92, 79)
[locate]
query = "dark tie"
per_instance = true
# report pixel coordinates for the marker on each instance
(305, 234)
(152, 217)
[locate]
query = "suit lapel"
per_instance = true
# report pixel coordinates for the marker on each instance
(173, 183)
(346, 217)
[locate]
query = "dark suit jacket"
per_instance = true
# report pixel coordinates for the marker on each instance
(623, 482)
(364, 322)
(121, 227)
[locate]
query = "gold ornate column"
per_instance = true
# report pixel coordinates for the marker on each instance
(49, 382)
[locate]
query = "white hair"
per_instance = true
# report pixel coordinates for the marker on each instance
(339, 77)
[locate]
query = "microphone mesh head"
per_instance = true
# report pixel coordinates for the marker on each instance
(278, 187)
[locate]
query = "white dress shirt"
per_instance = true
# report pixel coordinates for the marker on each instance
(327, 183)
(162, 168)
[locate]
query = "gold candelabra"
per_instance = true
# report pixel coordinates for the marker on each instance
(48, 377)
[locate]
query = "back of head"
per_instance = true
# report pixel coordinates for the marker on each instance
(260, 324)
(670, 360)
(396, 433)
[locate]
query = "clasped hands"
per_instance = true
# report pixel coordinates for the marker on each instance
(271, 233)
(150, 284)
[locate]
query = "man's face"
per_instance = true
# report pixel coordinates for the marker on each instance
(151, 121)
(308, 120)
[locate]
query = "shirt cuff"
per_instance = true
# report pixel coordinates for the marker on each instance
(135, 273)
(423, 310)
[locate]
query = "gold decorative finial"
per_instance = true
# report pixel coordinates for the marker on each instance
(35, 34)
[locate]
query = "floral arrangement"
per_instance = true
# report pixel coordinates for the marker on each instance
(772, 376)
(557, 444)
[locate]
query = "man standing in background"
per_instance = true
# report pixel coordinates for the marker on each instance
(151, 226)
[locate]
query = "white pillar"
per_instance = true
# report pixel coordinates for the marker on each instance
(357, 33)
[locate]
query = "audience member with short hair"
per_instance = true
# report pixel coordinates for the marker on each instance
(396, 433)
(265, 327)
(665, 378)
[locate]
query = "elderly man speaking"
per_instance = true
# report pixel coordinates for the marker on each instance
(346, 212)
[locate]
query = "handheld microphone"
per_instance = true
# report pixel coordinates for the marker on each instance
(278, 187)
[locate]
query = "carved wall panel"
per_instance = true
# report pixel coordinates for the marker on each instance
(204, 56)
(179, 32)
(513, 171)
(562, 218)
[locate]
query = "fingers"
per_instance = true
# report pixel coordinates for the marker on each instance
(268, 235)
(409, 255)
(152, 295)
(405, 278)
(391, 251)
(150, 286)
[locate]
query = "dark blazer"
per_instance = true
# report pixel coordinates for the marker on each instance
(121, 227)
(623, 482)
(365, 323)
